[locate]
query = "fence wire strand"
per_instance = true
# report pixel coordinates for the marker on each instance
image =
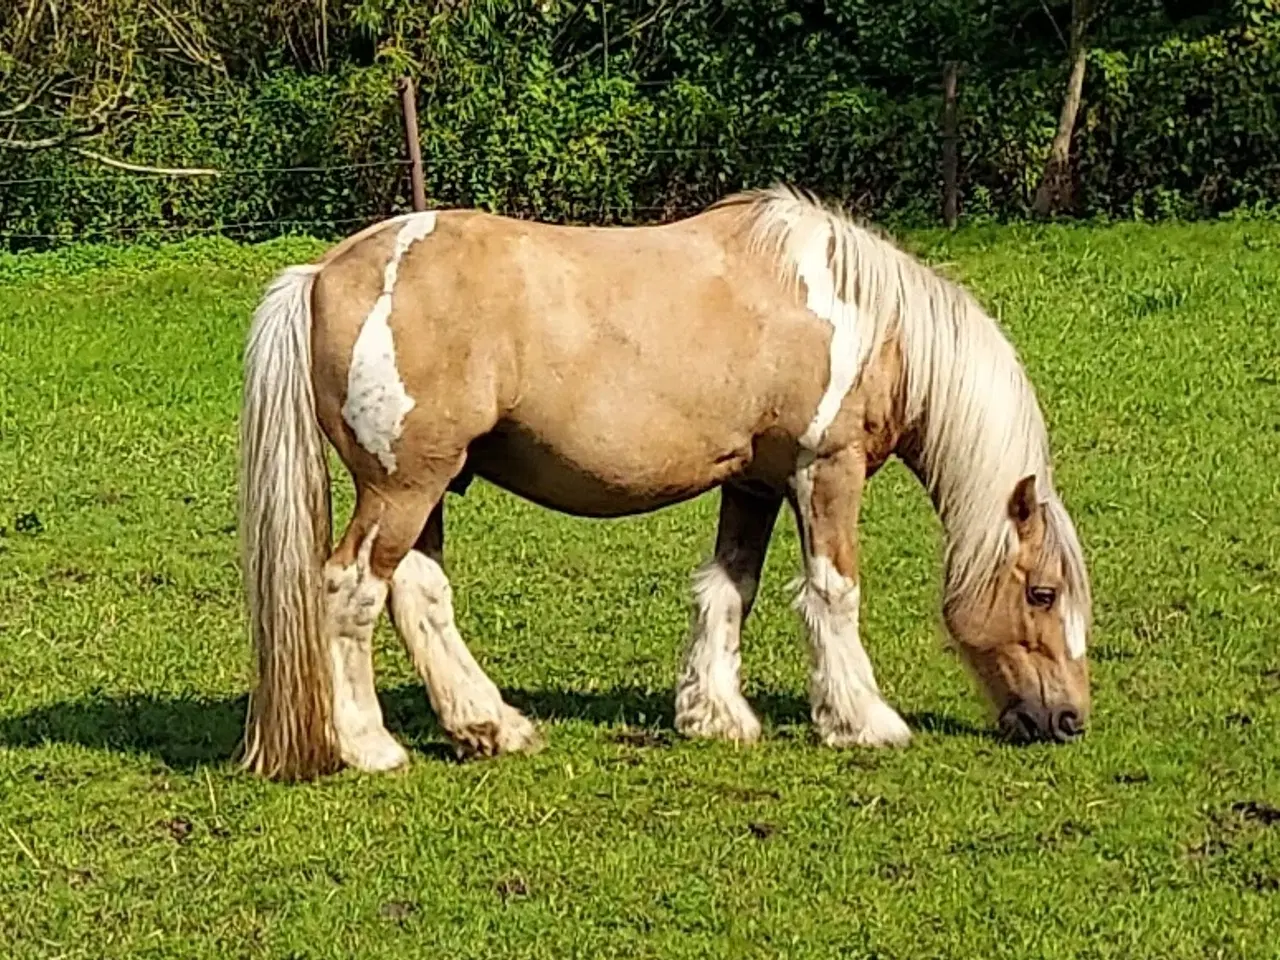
(228, 172)
(856, 77)
(105, 233)
(444, 161)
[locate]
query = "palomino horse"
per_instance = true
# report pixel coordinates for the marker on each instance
(767, 346)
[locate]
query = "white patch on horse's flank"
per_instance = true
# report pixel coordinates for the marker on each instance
(847, 352)
(377, 401)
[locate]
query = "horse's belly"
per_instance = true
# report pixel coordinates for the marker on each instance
(602, 479)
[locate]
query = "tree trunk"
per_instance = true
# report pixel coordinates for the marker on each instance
(1056, 191)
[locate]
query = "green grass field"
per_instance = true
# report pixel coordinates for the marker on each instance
(126, 832)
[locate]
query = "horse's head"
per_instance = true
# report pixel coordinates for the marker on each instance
(1023, 635)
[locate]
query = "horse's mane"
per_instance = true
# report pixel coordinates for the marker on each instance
(980, 426)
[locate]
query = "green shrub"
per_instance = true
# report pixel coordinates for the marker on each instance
(523, 108)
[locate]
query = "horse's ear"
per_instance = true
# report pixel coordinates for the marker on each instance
(1024, 509)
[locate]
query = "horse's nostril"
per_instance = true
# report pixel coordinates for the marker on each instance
(1067, 725)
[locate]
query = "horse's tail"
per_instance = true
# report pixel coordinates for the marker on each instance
(285, 538)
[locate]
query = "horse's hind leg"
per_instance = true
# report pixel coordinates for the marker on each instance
(356, 580)
(468, 703)
(709, 701)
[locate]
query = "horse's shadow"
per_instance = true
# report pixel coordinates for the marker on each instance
(184, 733)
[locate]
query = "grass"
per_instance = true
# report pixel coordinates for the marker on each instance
(125, 831)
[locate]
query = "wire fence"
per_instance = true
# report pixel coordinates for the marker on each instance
(899, 81)
(126, 231)
(441, 164)
(107, 175)
(494, 152)
(575, 209)
(851, 78)
(285, 226)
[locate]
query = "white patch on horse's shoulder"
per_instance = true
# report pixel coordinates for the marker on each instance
(1073, 627)
(846, 358)
(377, 401)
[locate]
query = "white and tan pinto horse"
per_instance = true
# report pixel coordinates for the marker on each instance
(767, 346)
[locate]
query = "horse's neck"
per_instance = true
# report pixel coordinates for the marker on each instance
(974, 428)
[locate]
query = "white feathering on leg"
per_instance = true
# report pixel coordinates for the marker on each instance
(468, 703)
(847, 707)
(709, 701)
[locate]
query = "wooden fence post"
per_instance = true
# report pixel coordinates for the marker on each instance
(409, 106)
(950, 160)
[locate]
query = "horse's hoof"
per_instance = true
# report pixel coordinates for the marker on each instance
(375, 753)
(488, 738)
(877, 725)
(715, 720)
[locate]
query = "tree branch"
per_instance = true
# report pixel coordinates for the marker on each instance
(24, 105)
(44, 143)
(106, 161)
(1056, 190)
(1053, 20)
(630, 33)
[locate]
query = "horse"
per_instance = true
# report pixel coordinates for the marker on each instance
(768, 346)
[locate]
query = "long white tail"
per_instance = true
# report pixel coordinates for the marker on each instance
(285, 537)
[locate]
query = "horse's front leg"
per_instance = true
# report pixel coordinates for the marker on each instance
(845, 700)
(709, 701)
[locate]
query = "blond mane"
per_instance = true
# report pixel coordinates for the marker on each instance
(979, 424)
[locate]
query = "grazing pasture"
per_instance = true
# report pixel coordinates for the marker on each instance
(126, 831)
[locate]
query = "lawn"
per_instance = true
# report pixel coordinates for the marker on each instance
(126, 832)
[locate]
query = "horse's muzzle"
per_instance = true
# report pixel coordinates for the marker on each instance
(1023, 724)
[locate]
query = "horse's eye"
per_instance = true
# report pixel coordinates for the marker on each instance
(1041, 596)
